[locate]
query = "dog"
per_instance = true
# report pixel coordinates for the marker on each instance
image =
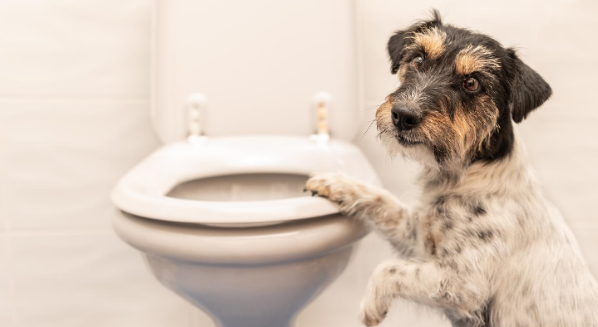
(483, 246)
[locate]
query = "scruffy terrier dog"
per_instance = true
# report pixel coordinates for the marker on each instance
(483, 245)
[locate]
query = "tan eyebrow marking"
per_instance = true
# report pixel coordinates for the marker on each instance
(472, 59)
(432, 40)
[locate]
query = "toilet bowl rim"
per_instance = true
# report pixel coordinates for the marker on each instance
(296, 240)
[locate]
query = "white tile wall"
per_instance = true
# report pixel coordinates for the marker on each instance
(70, 48)
(6, 295)
(63, 159)
(73, 118)
(84, 279)
(3, 191)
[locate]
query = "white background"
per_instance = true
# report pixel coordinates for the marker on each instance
(74, 98)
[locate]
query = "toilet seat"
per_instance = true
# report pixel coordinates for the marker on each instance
(142, 191)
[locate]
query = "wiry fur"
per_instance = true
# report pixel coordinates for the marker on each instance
(482, 245)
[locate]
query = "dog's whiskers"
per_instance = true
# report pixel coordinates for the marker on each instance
(368, 128)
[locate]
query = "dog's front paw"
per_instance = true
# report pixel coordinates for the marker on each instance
(336, 187)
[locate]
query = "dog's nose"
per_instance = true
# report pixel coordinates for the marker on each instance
(404, 117)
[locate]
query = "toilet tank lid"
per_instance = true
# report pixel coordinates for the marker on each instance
(143, 190)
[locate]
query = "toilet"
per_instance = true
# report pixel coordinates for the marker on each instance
(219, 213)
(248, 262)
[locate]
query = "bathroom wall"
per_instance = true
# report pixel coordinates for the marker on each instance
(74, 117)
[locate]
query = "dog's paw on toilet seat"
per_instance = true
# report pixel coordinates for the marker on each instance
(335, 187)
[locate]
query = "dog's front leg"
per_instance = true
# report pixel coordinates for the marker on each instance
(424, 283)
(373, 205)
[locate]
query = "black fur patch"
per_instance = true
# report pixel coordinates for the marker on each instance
(478, 210)
(485, 235)
(486, 314)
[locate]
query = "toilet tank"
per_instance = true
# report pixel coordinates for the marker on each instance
(259, 63)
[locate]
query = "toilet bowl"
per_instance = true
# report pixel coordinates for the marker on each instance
(224, 223)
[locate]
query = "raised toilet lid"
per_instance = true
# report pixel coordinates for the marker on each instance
(144, 190)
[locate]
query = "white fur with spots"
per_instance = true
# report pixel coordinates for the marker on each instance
(484, 247)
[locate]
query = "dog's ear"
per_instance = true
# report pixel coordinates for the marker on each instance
(400, 39)
(528, 89)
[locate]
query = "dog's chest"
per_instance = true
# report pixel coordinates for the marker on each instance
(452, 223)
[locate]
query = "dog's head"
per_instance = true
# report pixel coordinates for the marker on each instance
(459, 93)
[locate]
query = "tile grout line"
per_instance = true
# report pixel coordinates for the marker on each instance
(3, 191)
(7, 230)
(3, 197)
(62, 233)
(75, 100)
(11, 279)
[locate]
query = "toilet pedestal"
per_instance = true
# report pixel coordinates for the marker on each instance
(269, 295)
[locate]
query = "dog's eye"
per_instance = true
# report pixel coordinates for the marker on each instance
(471, 84)
(417, 61)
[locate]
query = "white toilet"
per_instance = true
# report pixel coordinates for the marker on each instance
(219, 211)
(242, 240)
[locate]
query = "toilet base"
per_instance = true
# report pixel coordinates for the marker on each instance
(267, 295)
